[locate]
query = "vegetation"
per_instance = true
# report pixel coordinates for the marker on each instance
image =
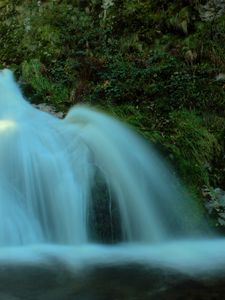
(158, 65)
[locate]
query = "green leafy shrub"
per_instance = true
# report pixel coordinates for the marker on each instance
(42, 88)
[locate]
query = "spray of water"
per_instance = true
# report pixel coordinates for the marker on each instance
(48, 170)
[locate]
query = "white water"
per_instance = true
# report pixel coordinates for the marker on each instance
(48, 175)
(192, 257)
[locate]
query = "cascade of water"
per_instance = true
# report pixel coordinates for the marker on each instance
(152, 205)
(47, 168)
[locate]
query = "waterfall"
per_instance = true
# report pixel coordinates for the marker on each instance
(49, 169)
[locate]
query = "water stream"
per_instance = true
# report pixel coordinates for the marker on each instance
(48, 170)
(65, 182)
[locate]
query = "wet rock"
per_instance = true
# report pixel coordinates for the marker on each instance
(49, 109)
(212, 10)
(106, 282)
(220, 77)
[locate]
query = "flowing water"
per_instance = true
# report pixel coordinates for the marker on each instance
(48, 170)
(64, 182)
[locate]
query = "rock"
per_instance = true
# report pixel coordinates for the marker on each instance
(220, 77)
(49, 109)
(212, 10)
(122, 282)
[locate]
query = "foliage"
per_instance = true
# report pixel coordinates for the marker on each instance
(191, 146)
(155, 64)
(215, 204)
(42, 88)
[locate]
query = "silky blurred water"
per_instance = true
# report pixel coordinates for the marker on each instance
(47, 171)
(48, 188)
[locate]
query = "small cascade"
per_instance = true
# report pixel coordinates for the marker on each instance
(54, 173)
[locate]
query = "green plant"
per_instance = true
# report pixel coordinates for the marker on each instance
(42, 87)
(192, 147)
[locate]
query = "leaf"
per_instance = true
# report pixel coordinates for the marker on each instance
(211, 205)
(222, 215)
(221, 222)
(184, 26)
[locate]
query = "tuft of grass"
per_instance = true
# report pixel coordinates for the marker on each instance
(192, 146)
